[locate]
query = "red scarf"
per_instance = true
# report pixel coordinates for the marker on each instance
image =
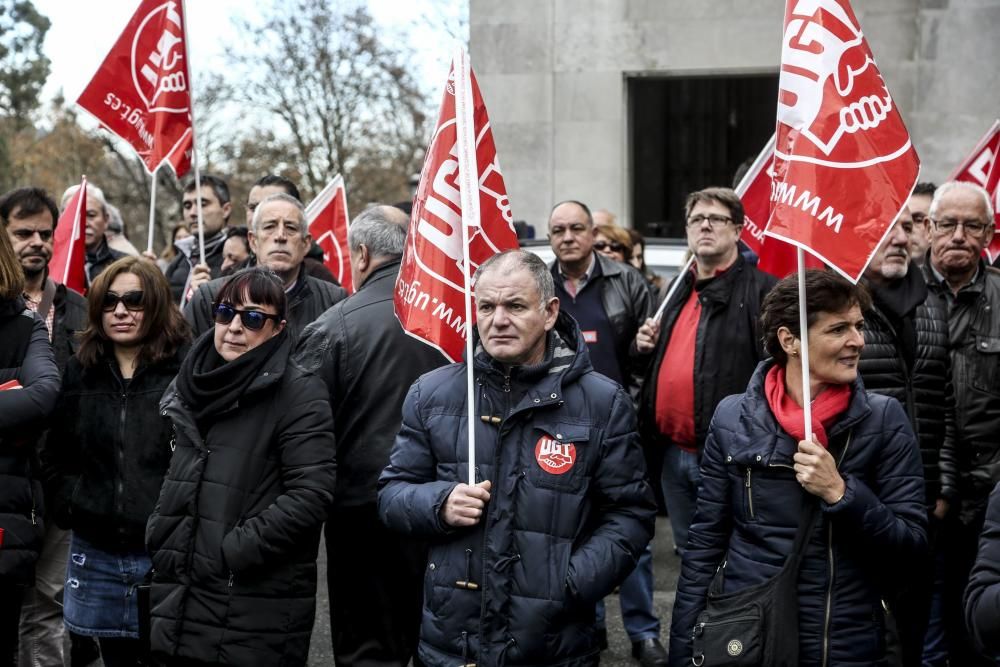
(825, 408)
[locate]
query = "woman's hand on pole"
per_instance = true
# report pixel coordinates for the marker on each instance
(817, 472)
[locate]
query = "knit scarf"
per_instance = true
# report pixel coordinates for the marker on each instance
(210, 384)
(825, 408)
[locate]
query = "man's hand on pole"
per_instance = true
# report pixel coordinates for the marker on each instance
(465, 504)
(645, 338)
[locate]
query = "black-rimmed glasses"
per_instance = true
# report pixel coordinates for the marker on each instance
(132, 300)
(252, 319)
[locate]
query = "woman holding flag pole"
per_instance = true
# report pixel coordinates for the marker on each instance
(812, 505)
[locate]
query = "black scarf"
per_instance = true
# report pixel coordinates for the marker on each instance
(210, 385)
(898, 301)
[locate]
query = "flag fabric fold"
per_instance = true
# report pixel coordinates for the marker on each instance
(69, 252)
(983, 168)
(327, 219)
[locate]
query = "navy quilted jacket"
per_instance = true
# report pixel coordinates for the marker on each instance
(552, 541)
(748, 511)
(982, 597)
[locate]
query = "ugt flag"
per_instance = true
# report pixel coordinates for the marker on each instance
(754, 190)
(68, 263)
(141, 92)
(844, 165)
(461, 185)
(983, 168)
(327, 219)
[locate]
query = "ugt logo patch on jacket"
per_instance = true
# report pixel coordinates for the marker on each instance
(553, 456)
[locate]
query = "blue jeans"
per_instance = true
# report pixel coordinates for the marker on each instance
(680, 479)
(636, 598)
(100, 595)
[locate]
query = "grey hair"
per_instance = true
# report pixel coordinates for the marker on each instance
(511, 260)
(93, 192)
(377, 231)
(281, 196)
(945, 188)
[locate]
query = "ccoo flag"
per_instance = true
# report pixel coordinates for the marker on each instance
(461, 193)
(141, 92)
(68, 263)
(983, 168)
(844, 165)
(327, 219)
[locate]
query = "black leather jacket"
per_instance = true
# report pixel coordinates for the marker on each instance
(925, 390)
(368, 363)
(974, 341)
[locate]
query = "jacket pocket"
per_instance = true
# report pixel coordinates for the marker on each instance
(559, 457)
(985, 372)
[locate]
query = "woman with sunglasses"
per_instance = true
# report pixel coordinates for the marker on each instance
(236, 530)
(613, 241)
(107, 451)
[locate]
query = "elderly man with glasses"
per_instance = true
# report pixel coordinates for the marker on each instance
(961, 226)
(704, 347)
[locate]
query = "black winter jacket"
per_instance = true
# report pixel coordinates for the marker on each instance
(728, 345)
(99, 259)
(179, 269)
(550, 544)
(627, 302)
(105, 456)
(307, 301)
(69, 321)
(974, 330)
(25, 356)
(235, 533)
(925, 390)
(982, 597)
(368, 363)
(749, 505)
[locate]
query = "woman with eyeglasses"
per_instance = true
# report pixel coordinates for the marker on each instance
(613, 241)
(235, 534)
(109, 447)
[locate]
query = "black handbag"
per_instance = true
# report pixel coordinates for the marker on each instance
(758, 625)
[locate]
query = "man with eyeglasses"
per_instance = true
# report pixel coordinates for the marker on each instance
(704, 347)
(279, 239)
(961, 226)
(920, 206)
(29, 216)
(906, 356)
(609, 300)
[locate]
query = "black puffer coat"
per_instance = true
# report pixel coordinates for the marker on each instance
(69, 320)
(549, 546)
(974, 330)
(106, 454)
(924, 390)
(982, 597)
(748, 510)
(25, 356)
(236, 530)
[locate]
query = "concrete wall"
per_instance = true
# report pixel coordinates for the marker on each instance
(553, 73)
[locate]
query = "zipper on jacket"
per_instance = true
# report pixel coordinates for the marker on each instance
(231, 577)
(749, 493)
(831, 572)
(506, 382)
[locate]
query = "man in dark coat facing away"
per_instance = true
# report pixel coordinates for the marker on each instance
(368, 362)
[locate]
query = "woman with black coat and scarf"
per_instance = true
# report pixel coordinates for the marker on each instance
(236, 531)
(106, 454)
(29, 385)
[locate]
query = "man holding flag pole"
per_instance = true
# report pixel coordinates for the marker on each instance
(521, 464)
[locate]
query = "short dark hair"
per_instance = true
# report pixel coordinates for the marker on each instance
(925, 188)
(826, 292)
(586, 209)
(725, 196)
(219, 187)
(240, 231)
(274, 180)
(517, 258)
(27, 202)
(164, 330)
(257, 284)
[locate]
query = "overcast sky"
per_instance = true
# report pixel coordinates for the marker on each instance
(82, 33)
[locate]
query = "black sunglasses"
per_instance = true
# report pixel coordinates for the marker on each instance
(604, 245)
(132, 301)
(251, 319)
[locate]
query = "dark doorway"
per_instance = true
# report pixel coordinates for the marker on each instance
(689, 133)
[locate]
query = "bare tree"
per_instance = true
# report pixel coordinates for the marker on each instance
(345, 98)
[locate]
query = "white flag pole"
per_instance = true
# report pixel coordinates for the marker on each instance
(194, 149)
(804, 346)
(468, 170)
(152, 211)
(81, 203)
(673, 288)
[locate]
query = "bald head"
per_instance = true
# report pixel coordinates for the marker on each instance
(376, 236)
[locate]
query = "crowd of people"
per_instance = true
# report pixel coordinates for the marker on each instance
(174, 445)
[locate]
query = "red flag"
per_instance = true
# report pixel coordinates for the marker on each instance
(430, 289)
(982, 168)
(141, 90)
(844, 164)
(754, 190)
(67, 265)
(327, 218)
